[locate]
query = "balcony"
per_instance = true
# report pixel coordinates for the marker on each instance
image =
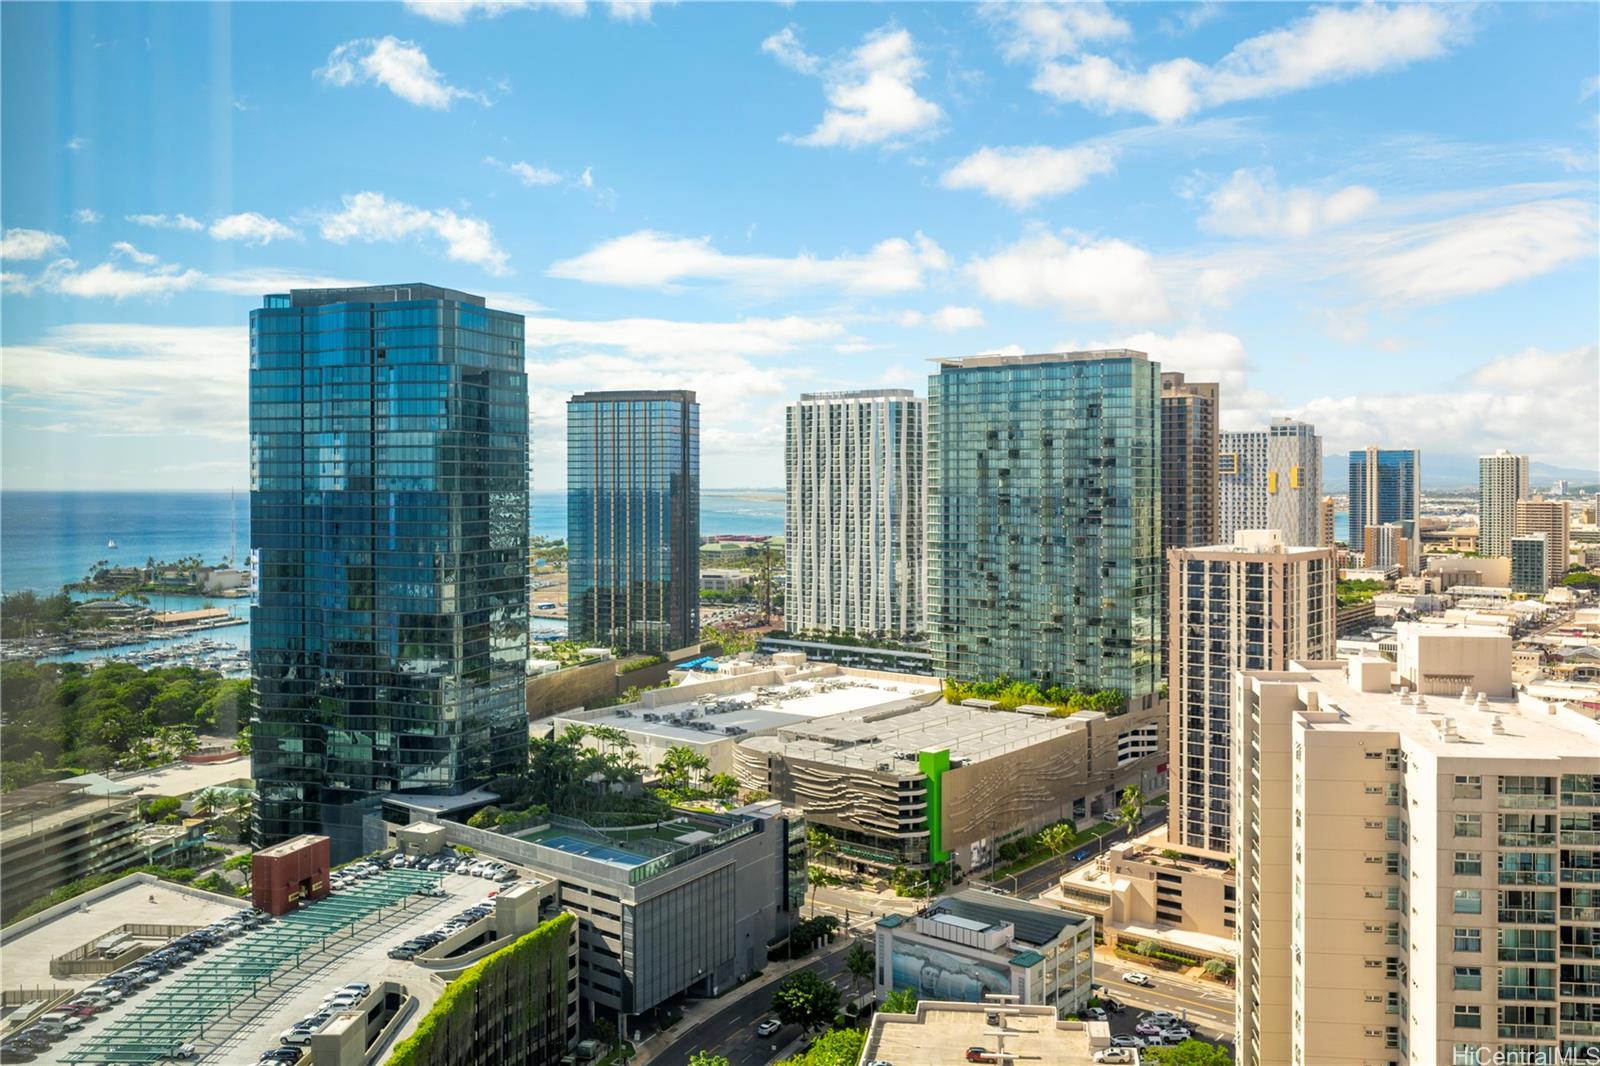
(1527, 877)
(1590, 837)
(1580, 875)
(1527, 803)
(1526, 994)
(1527, 1032)
(1570, 989)
(1580, 914)
(1533, 840)
(1527, 916)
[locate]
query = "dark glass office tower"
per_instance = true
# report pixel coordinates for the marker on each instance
(1385, 488)
(389, 521)
(633, 520)
(1044, 533)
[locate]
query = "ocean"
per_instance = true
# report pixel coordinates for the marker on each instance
(48, 539)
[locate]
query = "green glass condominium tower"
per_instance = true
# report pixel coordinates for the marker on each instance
(389, 526)
(633, 519)
(1044, 532)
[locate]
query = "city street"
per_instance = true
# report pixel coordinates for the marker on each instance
(732, 1030)
(1030, 883)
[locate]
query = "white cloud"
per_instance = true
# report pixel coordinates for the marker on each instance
(648, 259)
(526, 173)
(1039, 31)
(88, 216)
(1506, 400)
(950, 319)
(30, 244)
(1200, 354)
(456, 12)
(655, 336)
(107, 280)
(402, 67)
(1022, 176)
(1250, 203)
(630, 10)
(1099, 278)
(132, 379)
(142, 258)
(261, 280)
(179, 221)
(77, 144)
(371, 216)
(250, 227)
(1329, 45)
(1435, 261)
(870, 92)
(785, 47)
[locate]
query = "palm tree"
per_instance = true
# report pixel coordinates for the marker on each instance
(820, 843)
(209, 801)
(1131, 812)
(817, 876)
(1059, 837)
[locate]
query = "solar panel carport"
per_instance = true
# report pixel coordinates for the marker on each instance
(184, 1005)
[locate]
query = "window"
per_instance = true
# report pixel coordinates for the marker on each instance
(1467, 940)
(1468, 978)
(1469, 786)
(1468, 1017)
(1468, 901)
(1469, 863)
(1469, 825)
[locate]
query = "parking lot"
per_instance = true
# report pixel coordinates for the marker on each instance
(241, 1030)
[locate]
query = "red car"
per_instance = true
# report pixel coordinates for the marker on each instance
(979, 1054)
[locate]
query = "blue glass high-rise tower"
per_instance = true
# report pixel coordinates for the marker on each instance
(633, 519)
(389, 522)
(1044, 533)
(1385, 489)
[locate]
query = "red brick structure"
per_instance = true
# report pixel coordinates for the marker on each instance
(290, 873)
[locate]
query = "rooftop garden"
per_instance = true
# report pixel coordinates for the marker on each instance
(1009, 694)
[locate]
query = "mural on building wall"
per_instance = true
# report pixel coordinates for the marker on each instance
(936, 974)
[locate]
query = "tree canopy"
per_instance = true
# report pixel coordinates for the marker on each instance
(1010, 694)
(1188, 1053)
(804, 999)
(838, 1047)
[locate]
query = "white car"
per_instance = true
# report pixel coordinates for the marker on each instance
(1176, 1035)
(768, 1027)
(1095, 1014)
(1114, 1054)
(1137, 979)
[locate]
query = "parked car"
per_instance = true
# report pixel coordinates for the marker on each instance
(979, 1054)
(295, 1038)
(1114, 1054)
(1177, 1034)
(1137, 979)
(1149, 1029)
(1127, 1041)
(1096, 1014)
(181, 1051)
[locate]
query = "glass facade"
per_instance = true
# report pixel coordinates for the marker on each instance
(1044, 488)
(1385, 490)
(633, 520)
(389, 518)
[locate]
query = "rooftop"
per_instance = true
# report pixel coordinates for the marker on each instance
(997, 359)
(380, 294)
(938, 1034)
(890, 738)
(1450, 727)
(698, 709)
(1034, 924)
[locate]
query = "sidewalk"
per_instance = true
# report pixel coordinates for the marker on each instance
(698, 1011)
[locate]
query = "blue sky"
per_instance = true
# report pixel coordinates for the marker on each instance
(1379, 218)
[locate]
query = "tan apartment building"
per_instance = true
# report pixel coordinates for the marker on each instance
(1418, 874)
(1330, 511)
(1252, 605)
(1502, 481)
(1553, 518)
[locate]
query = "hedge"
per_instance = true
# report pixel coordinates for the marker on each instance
(449, 1033)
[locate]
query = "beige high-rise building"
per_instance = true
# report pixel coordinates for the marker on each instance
(1385, 546)
(1252, 605)
(1502, 481)
(1419, 875)
(1330, 511)
(1189, 438)
(1553, 518)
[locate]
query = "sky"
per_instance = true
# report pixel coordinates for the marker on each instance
(1378, 218)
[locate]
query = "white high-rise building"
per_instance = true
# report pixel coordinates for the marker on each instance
(1418, 862)
(1255, 604)
(1502, 481)
(854, 515)
(1272, 479)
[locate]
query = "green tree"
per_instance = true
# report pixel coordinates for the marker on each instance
(159, 808)
(1059, 837)
(1583, 580)
(860, 963)
(731, 641)
(1189, 1053)
(722, 787)
(806, 1000)
(706, 1058)
(1215, 968)
(208, 801)
(1131, 811)
(838, 1047)
(820, 843)
(485, 817)
(240, 864)
(900, 1001)
(1147, 948)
